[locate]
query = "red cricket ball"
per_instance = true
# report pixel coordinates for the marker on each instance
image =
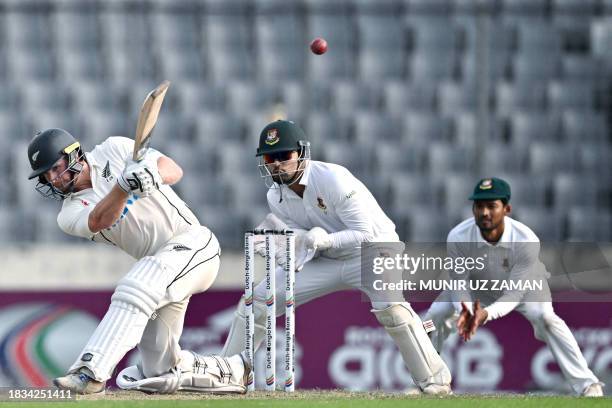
(318, 46)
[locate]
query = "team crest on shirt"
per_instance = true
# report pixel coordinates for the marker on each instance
(106, 172)
(486, 184)
(321, 204)
(272, 137)
(85, 203)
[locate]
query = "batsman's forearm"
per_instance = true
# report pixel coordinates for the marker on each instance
(107, 211)
(170, 172)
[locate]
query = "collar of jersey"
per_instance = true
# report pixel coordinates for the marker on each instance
(305, 174)
(504, 242)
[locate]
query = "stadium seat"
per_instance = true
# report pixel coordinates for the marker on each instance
(434, 34)
(338, 29)
(524, 95)
(45, 95)
(130, 66)
(546, 224)
(581, 68)
(86, 65)
(409, 191)
(454, 97)
(456, 188)
(125, 31)
(472, 70)
(523, 8)
(381, 65)
(35, 38)
(176, 30)
(9, 97)
(446, 158)
(546, 159)
(26, 66)
(76, 30)
(213, 129)
(400, 96)
(574, 8)
(353, 157)
(585, 127)
(225, 7)
(280, 29)
(420, 129)
(348, 96)
(427, 225)
(570, 189)
(570, 95)
(538, 39)
(428, 7)
(281, 63)
(535, 67)
(601, 37)
(525, 189)
(195, 97)
(322, 126)
(100, 124)
(380, 33)
(243, 97)
(391, 160)
(528, 127)
(226, 32)
(228, 66)
(248, 191)
(180, 64)
(500, 158)
(337, 64)
(594, 159)
(432, 66)
(372, 128)
(589, 225)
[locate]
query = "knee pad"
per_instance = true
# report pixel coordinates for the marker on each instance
(143, 287)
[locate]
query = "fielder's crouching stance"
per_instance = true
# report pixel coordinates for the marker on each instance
(111, 199)
(332, 214)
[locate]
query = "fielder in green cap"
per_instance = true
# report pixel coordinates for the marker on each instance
(512, 254)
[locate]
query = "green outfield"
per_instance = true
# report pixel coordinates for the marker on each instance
(327, 399)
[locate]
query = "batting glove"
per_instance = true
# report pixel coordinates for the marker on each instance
(140, 178)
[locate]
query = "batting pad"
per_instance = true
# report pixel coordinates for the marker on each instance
(408, 333)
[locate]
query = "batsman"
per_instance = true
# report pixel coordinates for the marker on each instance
(108, 197)
(333, 214)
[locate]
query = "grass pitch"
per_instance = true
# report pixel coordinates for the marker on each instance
(315, 398)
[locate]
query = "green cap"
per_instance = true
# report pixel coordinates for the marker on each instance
(280, 136)
(491, 189)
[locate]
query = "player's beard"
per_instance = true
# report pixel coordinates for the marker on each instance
(286, 177)
(486, 224)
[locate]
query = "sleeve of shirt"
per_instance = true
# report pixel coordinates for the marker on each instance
(526, 266)
(73, 219)
(457, 296)
(352, 209)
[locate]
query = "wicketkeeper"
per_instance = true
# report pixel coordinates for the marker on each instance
(333, 214)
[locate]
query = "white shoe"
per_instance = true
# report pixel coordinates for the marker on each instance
(593, 390)
(436, 389)
(80, 383)
(432, 389)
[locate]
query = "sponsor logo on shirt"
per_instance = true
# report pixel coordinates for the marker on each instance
(85, 203)
(352, 193)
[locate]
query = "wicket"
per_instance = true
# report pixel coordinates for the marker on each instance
(270, 333)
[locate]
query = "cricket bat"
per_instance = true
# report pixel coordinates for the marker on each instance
(147, 120)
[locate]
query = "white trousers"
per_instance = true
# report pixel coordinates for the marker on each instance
(148, 307)
(547, 327)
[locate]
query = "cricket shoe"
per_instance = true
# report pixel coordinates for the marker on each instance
(593, 390)
(432, 389)
(80, 383)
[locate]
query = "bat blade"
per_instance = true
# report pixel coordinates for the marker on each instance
(147, 120)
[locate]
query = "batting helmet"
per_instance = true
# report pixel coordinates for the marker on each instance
(47, 147)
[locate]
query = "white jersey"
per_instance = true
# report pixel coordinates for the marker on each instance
(144, 225)
(337, 202)
(514, 256)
